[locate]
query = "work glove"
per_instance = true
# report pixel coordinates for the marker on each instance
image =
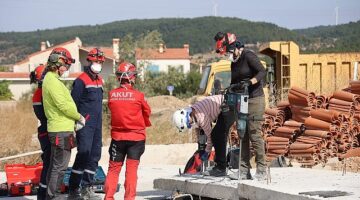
(205, 156)
(80, 123)
(246, 83)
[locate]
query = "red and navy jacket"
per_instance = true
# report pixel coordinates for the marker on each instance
(87, 93)
(130, 114)
(39, 111)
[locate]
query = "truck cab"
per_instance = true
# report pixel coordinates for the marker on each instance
(216, 77)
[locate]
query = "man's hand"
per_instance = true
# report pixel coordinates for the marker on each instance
(80, 123)
(205, 156)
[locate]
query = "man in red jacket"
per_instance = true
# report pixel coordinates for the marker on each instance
(129, 117)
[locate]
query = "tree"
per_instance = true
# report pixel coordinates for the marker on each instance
(5, 93)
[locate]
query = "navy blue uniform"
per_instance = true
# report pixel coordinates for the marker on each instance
(87, 93)
(43, 139)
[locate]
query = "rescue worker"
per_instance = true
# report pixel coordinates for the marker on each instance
(129, 118)
(36, 77)
(245, 67)
(87, 93)
(61, 114)
(200, 115)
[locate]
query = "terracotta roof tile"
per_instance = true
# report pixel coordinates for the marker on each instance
(14, 75)
(26, 75)
(169, 53)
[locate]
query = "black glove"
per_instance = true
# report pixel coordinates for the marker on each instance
(246, 83)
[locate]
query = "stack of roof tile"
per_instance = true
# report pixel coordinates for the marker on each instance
(318, 128)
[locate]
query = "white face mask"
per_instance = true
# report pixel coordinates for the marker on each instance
(231, 57)
(65, 74)
(96, 68)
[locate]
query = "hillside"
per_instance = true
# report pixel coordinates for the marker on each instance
(344, 37)
(198, 32)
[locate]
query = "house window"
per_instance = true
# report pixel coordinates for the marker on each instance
(152, 68)
(178, 68)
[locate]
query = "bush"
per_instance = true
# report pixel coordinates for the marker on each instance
(185, 85)
(5, 93)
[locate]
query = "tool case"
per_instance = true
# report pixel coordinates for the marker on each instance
(22, 179)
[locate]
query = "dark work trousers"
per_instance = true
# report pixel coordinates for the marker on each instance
(45, 147)
(219, 136)
(88, 155)
(59, 160)
(220, 133)
(253, 134)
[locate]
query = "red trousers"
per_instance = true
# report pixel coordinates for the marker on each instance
(112, 179)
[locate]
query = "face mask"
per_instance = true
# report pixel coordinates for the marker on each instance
(96, 68)
(231, 57)
(65, 74)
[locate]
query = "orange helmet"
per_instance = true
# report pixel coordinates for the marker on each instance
(35, 76)
(95, 54)
(224, 42)
(126, 71)
(60, 53)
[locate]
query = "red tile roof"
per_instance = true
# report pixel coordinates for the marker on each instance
(48, 49)
(26, 75)
(14, 75)
(169, 53)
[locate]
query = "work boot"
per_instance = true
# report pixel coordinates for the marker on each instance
(74, 195)
(260, 175)
(215, 171)
(88, 194)
(243, 176)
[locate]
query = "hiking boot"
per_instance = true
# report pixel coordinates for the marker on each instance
(215, 171)
(260, 176)
(88, 194)
(74, 195)
(243, 176)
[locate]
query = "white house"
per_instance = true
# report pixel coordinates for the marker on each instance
(161, 59)
(20, 76)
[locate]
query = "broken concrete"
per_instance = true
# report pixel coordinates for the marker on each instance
(286, 183)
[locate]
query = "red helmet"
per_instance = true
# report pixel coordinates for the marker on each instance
(224, 42)
(35, 76)
(60, 53)
(96, 54)
(38, 72)
(126, 71)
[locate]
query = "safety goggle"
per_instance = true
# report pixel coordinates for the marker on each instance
(60, 60)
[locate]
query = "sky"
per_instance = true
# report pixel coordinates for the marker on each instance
(31, 15)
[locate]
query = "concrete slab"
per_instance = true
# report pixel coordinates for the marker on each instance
(286, 183)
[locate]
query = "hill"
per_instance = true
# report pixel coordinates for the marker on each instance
(198, 32)
(344, 37)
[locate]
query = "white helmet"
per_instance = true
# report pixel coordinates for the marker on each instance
(181, 119)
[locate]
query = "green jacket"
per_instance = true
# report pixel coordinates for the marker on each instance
(59, 107)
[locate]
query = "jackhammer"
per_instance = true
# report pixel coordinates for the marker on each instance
(201, 147)
(237, 99)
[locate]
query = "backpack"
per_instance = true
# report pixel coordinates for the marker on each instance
(194, 164)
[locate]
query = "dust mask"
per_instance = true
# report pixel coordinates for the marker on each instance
(231, 57)
(96, 68)
(65, 74)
